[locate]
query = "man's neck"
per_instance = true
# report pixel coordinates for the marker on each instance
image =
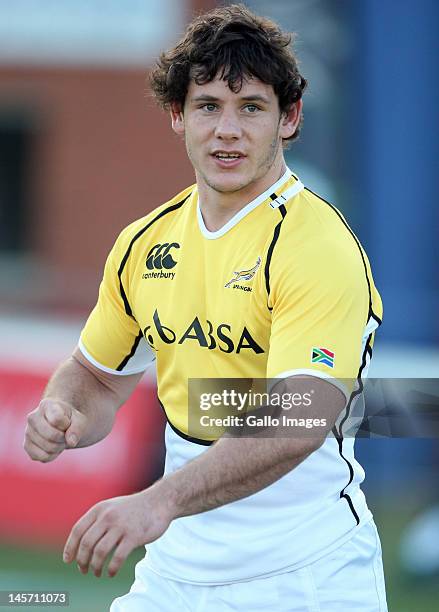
(217, 208)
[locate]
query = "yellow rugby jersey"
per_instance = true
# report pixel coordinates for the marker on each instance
(283, 288)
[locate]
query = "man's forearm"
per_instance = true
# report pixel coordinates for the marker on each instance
(234, 468)
(231, 469)
(77, 386)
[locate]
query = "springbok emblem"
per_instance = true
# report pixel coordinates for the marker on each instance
(244, 275)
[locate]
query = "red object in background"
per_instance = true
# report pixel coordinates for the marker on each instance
(41, 502)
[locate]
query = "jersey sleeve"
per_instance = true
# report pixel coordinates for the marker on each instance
(111, 338)
(320, 300)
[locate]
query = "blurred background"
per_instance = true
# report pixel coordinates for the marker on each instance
(84, 151)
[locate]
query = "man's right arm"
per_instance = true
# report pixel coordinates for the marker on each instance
(78, 408)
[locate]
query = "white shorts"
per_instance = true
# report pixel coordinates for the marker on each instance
(348, 579)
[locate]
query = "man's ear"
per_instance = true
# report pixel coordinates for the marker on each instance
(177, 119)
(290, 120)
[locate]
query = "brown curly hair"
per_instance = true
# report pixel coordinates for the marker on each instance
(235, 44)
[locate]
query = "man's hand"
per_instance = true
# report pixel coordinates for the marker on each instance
(52, 427)
(122, 523)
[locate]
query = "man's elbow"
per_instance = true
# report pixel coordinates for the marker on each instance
(299, 448)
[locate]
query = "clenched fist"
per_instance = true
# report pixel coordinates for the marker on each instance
(52, 427)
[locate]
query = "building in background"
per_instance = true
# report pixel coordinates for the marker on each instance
(84, 150)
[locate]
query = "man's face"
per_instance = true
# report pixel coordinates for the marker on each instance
(233, 139)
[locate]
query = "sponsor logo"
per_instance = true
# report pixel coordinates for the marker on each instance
(161, 258)
(208, 335)
(322, 355)
(243, 276)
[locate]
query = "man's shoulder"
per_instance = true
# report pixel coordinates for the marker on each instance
(313, 223)
(316, 241)
(131, 231)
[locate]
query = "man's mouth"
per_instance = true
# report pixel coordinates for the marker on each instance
(227, 157)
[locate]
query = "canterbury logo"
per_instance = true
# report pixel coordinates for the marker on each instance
(244, 275)
(160, 257)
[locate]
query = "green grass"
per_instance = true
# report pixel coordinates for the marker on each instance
(30, 568)
(27, 569)
(404, 593)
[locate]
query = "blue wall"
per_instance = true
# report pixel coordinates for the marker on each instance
(397, 115)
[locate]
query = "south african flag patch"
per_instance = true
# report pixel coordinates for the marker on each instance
(322, 355)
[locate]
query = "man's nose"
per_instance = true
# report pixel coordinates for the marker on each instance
(228, 126)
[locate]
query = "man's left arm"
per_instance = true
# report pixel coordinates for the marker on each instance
(231, 469)
(236, 467)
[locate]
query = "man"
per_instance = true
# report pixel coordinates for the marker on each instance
(246, 274)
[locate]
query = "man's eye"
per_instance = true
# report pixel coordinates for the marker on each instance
(251, 108)
(209, 107)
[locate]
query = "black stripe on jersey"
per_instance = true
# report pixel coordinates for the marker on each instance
(124, 362)
(339, 434)
(283, 212)
(344, 495)
(189, 438)
(357, 242)
(181, 433)
(367, 349)
(133, 240)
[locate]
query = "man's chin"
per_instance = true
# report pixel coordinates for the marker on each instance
(228, 185)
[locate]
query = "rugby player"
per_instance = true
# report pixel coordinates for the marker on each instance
(245, 274)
